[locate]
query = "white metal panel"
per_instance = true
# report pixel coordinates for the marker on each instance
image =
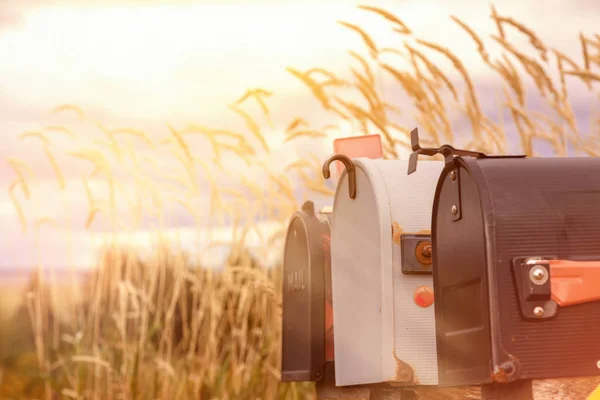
(411, 200)
(375, 316)
(358, 228)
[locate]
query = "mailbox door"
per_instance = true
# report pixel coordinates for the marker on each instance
(382, 334)
(460, 281)
(303, 330)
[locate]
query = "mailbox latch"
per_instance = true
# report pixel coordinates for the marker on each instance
(416, 253)
(546, 283)
(532, 277)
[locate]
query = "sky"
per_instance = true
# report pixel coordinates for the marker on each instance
(143, 64)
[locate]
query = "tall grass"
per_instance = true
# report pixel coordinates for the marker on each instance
(160, 325)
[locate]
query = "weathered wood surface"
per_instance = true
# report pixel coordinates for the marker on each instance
(552, 389)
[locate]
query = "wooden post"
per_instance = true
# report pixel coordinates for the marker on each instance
(326, 390)
(508, 391)
(378, 393)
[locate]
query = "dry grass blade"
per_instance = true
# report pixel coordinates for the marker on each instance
(472, 103)
(365, 116)
(306, 133)
(88, 192)
(69, 107)
(495, 17)
(370, 94)
(402, 28)
(259, 92)
(239, 151)
(475, 37)
(182, 144)
(298, 164)
(533, 39)
(389, 50)
(584, 50)
(114, 144)
(39, 222)
(332, 79)
(316, 89)
(252, 126)
(533, 68)
(365, 66)
(92, 360)
(259, 95)
(365, 37)
(458, 65)
(61, 129)
(17, 206)
(135, 133)
(93, 156)
(70, 393)
(283, 184)
(57, 171)
(435, 72)
(584, 75)
(210, 135)
(19, 166)
(35, 134)
(511, 75)
(241, 139)
(560, 59)
(296, 123)
(411, 87)
(392, 108)
(265, 109)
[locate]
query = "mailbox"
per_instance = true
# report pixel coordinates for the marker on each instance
(382, 272)
(516, 266)
(307, 337)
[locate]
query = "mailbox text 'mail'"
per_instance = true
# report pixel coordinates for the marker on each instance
(296, 281)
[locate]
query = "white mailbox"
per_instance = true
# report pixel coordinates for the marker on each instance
(381, 263)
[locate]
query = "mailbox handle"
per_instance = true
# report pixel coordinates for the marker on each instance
(349, 168)
(574, 282)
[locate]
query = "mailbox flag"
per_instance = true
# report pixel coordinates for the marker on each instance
(368, 146)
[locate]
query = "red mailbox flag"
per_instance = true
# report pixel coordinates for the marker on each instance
(358, 146)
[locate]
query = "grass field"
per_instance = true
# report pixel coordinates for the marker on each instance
(161, 326)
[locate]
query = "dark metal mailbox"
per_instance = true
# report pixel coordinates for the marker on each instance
(516, 267)
(307, 334)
